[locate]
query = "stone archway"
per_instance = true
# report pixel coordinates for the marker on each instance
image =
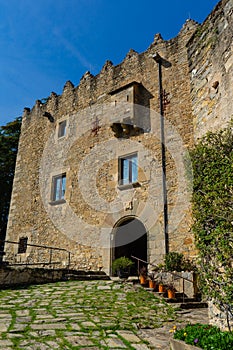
(130, 238)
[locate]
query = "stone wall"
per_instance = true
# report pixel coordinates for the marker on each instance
(10, 277)
(211, 74)
(19, 276)
(211, 70)
(184, 282)
(219, 317)
(89, 153)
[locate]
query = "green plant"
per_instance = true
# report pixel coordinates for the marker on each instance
(121, 263)
(205, 336)
(212, 160)
(143, 271)
(188, 265)
(152, 276)
(160, 267)
(170, 287)
(9, 138)
(173, 261)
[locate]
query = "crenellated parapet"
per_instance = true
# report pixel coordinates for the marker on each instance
(88, 135)
(135, 67)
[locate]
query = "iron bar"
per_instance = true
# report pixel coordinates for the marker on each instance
(38, 263)
(38, 246)
(172, 273)
(43, 247)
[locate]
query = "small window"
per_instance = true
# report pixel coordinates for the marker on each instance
(22, 245)
(59, 187)
(128, 169)
(62, 129)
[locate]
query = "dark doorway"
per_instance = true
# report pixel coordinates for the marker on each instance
(131, 239)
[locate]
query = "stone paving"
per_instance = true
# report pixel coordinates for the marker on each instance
(88, 315)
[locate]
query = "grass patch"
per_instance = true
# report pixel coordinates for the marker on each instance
(121, 307)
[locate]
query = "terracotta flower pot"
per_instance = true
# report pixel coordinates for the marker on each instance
(171, 294)
(152, 284)
(142, 279)
(161, 288)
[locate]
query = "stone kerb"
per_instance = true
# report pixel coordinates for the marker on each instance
(180, 345)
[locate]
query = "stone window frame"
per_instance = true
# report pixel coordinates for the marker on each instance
(131, 182)
(60, 127)
(61, 190)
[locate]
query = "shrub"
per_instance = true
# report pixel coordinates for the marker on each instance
(173, 261)
(121, 263)
(212, 160)
(205, 337)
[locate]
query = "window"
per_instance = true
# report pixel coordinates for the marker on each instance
(128, 169)
(62, 129)
(59, 187)
(22, 245)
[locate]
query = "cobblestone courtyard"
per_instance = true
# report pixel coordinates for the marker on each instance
(86, 315)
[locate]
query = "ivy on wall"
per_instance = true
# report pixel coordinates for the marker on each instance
(212, 160)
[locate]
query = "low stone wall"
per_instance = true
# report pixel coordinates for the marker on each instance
(180, 345)
(218, 317)
(13, 276)
(185, 281)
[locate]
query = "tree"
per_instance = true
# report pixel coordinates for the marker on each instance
(212, 161)
(9, 138)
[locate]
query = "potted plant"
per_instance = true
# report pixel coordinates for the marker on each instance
(121, 266)
(161, 285)
(152, 280)
(162, 288)
(171, 291)
(143, 275)
(173, 261)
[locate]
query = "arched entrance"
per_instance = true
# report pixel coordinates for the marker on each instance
(130, 238)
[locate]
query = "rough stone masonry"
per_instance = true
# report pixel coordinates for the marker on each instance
(90, 169)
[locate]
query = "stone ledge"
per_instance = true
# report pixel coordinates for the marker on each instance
(181, 345)
(15, 276)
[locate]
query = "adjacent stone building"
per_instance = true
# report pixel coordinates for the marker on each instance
(103, 169)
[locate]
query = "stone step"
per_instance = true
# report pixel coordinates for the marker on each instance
(182, 301)
(194, 305)
(85, 277)
(188, 303)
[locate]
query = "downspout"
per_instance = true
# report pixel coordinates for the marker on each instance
(159, 61)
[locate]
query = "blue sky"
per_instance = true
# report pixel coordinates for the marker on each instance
(44, 43)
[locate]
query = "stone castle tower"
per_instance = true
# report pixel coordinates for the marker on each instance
(103, 169)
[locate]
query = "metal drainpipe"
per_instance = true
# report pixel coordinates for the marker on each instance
(158, 59)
